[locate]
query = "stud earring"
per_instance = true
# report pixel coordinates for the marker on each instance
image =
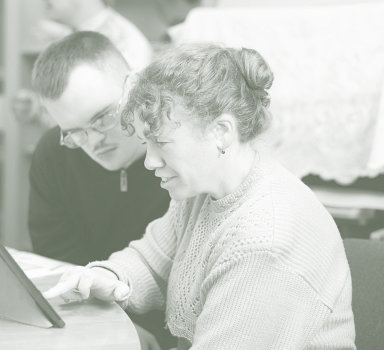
(221, 150)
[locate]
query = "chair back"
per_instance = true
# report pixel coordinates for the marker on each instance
(366, 261)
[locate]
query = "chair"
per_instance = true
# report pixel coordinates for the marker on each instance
(366, 261)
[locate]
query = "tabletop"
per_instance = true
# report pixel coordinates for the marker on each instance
(92, 325)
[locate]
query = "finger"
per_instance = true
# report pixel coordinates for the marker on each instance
(71, 296)
(84, 287)
(62, 287)
(121, 292)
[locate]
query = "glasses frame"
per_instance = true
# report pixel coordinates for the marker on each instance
(115, 115)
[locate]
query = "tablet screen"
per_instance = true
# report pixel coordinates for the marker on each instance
(20, 300)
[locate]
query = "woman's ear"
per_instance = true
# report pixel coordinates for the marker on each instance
(223, 130)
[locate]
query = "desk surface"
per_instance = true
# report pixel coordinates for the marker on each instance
(90, 325)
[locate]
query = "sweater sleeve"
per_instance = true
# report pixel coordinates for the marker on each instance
(51, 230)
(253, 302)
(145, 264)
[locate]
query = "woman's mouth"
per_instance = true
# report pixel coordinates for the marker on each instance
(166, 180)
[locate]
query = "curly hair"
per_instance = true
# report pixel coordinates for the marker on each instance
(207, 80)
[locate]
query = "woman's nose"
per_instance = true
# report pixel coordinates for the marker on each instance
(152, 160)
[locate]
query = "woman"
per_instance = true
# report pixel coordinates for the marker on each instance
(246, 257)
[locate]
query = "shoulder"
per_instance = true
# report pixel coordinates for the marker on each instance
(119, 27)
(48, 159)
(302, 235)
(50, 155)
(123, 22)
(48, 146)
(132, 43)
(50, 138)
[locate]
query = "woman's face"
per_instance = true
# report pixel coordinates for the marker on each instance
(183, 156)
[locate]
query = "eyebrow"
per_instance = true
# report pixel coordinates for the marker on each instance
(100, 113)
(94, 118)
(140, 138)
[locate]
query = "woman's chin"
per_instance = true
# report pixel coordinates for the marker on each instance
(179, 194)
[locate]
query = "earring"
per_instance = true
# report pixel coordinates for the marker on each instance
(221, 150)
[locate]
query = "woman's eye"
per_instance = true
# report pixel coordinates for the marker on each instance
(161, 143)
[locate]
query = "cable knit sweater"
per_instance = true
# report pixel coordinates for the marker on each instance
(262, 268)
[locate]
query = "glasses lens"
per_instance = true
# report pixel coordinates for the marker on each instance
(105, 123)
(75, 139)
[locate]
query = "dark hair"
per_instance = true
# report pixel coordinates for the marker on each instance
(53, 66)
(208, 80)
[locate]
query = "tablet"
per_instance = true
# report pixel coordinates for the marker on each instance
(20, 300)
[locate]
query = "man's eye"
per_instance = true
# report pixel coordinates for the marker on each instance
(102, 120)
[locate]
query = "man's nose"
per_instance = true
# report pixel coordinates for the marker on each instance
(152, 159)
(95, 138)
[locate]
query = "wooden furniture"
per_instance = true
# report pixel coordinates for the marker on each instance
(89, 325)
(366, 260)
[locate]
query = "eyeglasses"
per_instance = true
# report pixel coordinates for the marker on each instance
(107, 121)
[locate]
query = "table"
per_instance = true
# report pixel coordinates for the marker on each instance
(327, 99)
(92, 325)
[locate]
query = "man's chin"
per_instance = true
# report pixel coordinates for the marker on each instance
(108, 165)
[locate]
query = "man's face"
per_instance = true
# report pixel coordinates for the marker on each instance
(90, 93)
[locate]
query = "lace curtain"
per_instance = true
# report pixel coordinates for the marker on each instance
(327, 97)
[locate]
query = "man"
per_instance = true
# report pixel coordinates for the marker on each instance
(90, 193)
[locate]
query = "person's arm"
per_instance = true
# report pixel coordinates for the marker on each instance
(145, 264)
(251, 301)
(52, 232)
(136, 277)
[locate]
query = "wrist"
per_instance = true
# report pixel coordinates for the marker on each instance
(104, 272)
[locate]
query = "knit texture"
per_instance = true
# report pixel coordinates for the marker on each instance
(262, 268)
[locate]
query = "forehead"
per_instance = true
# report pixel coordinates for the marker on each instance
(89, 90)
(89, 80)
(179, 121)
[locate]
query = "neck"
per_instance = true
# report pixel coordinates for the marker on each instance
(235, 168)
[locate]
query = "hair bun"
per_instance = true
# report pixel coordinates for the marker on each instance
(263, 96)
(255, 70)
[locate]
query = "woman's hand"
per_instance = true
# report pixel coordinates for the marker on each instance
(80, 283)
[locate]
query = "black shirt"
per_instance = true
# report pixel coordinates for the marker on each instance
(77, 212)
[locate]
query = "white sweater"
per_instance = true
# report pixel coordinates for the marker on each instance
(262, 268)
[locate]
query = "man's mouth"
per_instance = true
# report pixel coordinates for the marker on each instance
(103, 151)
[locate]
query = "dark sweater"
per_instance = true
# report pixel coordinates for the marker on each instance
(77, 212)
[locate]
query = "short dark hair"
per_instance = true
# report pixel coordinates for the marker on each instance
(208, 80)
(53, 66)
